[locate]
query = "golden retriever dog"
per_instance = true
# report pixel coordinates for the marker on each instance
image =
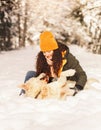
(40, 89)
(60, 89)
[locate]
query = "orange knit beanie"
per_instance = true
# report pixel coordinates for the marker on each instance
(47, 41)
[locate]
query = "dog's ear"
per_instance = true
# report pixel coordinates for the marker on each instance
(24, 86)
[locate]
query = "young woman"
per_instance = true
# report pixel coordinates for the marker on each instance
(53, 59)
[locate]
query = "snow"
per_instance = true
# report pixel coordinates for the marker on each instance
(81, 112)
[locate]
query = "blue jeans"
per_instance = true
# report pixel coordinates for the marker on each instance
(29, 75)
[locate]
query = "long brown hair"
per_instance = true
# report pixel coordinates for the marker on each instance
(43, 67)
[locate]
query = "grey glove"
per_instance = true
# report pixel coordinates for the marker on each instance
(77, 88)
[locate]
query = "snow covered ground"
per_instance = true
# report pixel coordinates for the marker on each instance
(82, 112)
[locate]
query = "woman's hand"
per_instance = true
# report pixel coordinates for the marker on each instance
(49, 61)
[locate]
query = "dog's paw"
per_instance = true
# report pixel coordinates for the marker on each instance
(69, 72)
(41, 76)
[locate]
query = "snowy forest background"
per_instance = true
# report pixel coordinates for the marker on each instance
(72, 22)
(76, 23)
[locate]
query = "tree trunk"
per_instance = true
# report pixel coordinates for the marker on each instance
(25, 26)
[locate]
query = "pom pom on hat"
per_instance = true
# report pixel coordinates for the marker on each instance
(47, 41)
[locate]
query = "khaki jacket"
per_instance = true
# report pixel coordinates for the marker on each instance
(70, 62)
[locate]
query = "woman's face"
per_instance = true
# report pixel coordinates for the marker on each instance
(48, 55)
